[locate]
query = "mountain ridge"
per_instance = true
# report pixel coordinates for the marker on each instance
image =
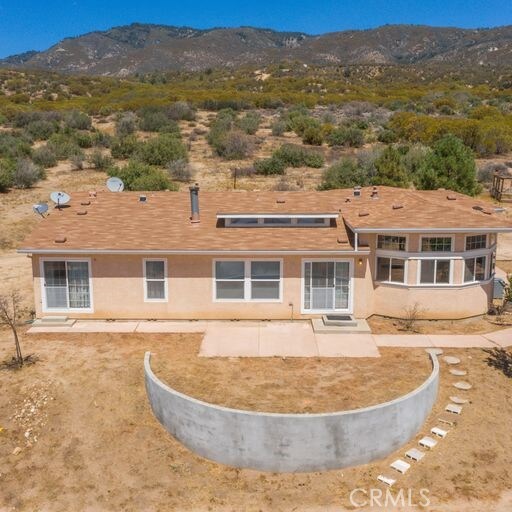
(141, 48)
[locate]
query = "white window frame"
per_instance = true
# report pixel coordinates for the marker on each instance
(486, 269)
(44, 306)
(350, 308)
(394, 251)
(261, 222)
(478, 248)
(406, 269)
(435, 258)
(145, 280)
(452, 245)
(247, 280)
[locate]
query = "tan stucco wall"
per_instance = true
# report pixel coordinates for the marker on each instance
(118, 292)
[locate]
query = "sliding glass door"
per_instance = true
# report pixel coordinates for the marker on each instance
(326, 286)
(66, 285)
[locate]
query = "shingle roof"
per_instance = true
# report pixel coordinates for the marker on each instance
(119, 222)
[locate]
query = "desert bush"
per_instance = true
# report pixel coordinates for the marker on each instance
(6, 172)
(63, 146)
(390, 170)
(346, 173)
(140, 176)
(99, 160)
(313, 135)
(77, 120)
(234, 145)
(284, 185)
(297, 156)
(268, 166)
(180, 170)
(26, 173)
(161, 150)
(249, 123)
(220, 127)
(350, 136)
(278, 128)
(126, 124)
(44, 156)
(485, 174)
(77, 161)
(41, 130)
(13, 146)
(125, 147)
(101, 139)
(83, 139)
(181, 110)
(387, 136)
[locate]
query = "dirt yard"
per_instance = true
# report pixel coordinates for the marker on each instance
(89, 442)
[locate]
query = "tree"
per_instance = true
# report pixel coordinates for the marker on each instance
(450, 165)
(345, 173)
(390, 170)
(9, 314)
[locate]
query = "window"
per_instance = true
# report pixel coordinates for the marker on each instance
(277, 221)
(391, 270)
(476, 242)
(155, 280)
(312, 221)
(242, 221)
(66, 284)
(474, 269)
(248, 280)
(436, 244)
(391, 243)
(435, 271)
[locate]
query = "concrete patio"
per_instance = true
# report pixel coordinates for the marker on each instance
(280, 338)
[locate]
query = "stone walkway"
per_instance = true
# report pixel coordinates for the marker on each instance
(282, 339)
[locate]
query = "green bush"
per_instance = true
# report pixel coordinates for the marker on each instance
(219, 128)
(278, 128)
(249, 123)
(84, 140)
(346, 136)
(313, 135)
(44, 156)
(140, 176)
(154, 119)
(6, 171)
(297, 156)
(390, 170)
(63, 146)
(26, 173)
(269, 166)
(77, 120)
(101, 139)
(181, 111)
(234, 145)
(346, 173)
(13, 146)
(161, 150)
(126, 124)
(387, 136)
(125, 147)
(41, 130)
(99, 160)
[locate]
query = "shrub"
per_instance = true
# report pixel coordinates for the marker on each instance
(249, 123)
(78, 120)
(346, 173)
(153, 119)
(181, 110)
(390, 170)
(297, 156)
(278, 128)
(44, 156)
(234, 145)
(41, 130)
(161, 150)
(125, 147)
(6, 172)
(180, 170)
(269, 166)
(126, 124)
(63, 146)
(99, 160)
(313, 135)
(346, 136)
(140, 176)
(485, 174)
(219, 129)
(101, 139)
(26, 173)
(84, 139)
(13, 147)
(77, 161)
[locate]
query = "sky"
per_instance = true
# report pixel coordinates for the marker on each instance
(38, 24)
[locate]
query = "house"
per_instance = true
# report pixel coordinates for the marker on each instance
(265, 255)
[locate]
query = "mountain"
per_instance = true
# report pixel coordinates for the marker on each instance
(142, 48)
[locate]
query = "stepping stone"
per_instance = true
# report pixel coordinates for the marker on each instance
(386, 480)
(451, 360)
(427, 442)
(457, 400)
(415, 454)
(447, 421)
(439, 432)
(462, 385)
(458, 373)
(400, 466)
(455, 409)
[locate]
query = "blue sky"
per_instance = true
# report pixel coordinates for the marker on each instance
(37, 24)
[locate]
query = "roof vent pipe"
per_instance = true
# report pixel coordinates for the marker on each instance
(357, 191)
(194, 203)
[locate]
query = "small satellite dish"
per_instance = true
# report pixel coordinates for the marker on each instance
(115, 184)
(60, 198)
(40, 208)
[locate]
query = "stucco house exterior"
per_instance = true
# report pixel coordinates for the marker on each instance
(265, 255)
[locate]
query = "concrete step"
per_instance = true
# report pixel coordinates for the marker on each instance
(53, 320)
(361, 327)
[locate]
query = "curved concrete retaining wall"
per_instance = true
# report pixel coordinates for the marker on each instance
(291, 442)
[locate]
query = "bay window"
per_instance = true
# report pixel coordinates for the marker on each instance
(391, 270)
(391, 242)
(474, 269)
(476, 242)
(246, 280)
(436, 244)
(435, 271)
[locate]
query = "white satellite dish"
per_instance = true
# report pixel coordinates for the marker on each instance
(115, 184)
(40, 208)
(60, 198)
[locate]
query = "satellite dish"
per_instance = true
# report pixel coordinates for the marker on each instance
(115, 184)
(40, 208)
(60, 198)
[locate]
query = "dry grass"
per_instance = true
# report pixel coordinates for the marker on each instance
(99, 447)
